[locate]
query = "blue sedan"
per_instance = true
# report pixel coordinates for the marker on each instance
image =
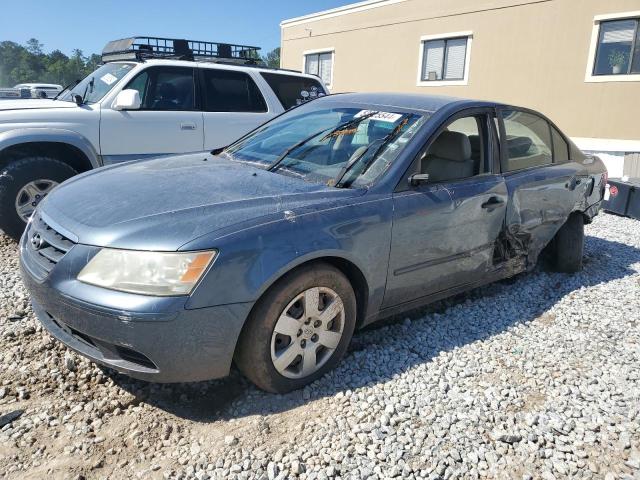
(271, 252)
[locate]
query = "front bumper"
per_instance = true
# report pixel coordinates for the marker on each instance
(155, 339)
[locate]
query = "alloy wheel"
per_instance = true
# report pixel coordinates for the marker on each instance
(30, 195)
(307, 332)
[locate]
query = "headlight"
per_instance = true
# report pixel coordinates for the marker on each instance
(147, 273)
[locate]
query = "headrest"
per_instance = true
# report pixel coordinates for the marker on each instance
(451, 146)
(518, 146)
(474, 140)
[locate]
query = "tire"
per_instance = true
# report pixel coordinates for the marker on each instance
(16, 175)
(568, 245)
(258, 341)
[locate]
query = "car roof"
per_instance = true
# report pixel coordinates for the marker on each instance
(409, 101)
(222, 66)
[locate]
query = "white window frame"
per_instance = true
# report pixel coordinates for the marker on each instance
(593, 49)
(317, 51)
(467, 60)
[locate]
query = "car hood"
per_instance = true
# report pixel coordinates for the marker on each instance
(165, 203)
(28, 104)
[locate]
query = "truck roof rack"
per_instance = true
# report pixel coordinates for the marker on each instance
(141, 48)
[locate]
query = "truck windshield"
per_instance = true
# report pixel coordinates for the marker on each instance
(338, 145)
(97, 84)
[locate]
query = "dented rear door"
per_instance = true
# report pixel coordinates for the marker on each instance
(543, 186)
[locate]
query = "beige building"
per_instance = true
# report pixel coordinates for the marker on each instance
(577, 61)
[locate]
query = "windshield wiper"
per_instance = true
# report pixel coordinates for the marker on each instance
(385, 141)
(331, 130)
(65, 89)
(84, 95)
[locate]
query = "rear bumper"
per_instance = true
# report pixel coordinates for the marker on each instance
(158, 346)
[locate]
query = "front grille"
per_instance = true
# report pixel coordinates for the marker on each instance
(45, 246)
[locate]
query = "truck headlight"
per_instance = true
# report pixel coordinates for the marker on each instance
(147, 273)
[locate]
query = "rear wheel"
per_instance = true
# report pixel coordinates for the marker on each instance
(298, 330)
(23, 185)
(568, 245)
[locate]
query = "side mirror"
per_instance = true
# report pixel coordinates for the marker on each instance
(128, 99)
(418, 179)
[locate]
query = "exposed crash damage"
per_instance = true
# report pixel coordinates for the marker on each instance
(272, 252)
(538, 210)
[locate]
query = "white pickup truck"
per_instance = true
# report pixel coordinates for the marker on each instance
(151, 97)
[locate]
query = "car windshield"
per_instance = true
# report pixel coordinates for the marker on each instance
(339, 145)
(97, 84)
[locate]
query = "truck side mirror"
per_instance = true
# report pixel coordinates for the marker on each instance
(127, 99)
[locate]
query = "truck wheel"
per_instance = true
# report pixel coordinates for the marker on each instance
(298, 330)
(23, 184)
(569, 245)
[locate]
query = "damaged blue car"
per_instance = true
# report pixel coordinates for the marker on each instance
(271, 252)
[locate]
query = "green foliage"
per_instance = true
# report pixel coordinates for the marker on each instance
(617, 57)
(28, 64)
(272, 59)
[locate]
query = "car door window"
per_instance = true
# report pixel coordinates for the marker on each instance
(230, 91)
(166, 88)
(140, 85)
(458, 152)
(527, 140)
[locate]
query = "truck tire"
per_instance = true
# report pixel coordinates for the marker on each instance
(23, 184)
(298, 330)
(569, 245)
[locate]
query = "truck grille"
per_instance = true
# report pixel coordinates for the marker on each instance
(44, 246)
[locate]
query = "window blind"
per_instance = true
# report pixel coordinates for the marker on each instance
(433, 59)
(456, 54)
(326, 64)
(618, 32)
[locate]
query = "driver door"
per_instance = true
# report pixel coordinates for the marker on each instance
(168, 121)
(445, 230)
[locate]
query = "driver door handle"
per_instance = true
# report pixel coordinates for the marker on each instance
(187, 126)
(492, 203)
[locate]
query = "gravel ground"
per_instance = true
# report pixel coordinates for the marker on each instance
(536, 377)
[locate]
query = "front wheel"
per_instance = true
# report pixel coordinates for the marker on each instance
(23, 184)
(298, 330)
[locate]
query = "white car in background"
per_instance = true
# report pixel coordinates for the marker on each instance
(38, 90)
(151, 97)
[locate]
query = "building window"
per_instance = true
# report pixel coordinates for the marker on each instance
(614, 54)
(618, 50)
(444, 59)
(320, 63)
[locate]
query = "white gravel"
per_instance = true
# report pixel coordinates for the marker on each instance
(538, 377)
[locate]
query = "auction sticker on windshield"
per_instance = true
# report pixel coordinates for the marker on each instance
(109, 78)
(380, 116)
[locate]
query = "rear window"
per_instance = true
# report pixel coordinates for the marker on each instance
(292, 90)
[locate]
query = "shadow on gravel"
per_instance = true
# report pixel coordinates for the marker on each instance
(502, 305)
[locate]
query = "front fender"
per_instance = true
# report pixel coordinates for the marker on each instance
(19, 136)
(252, 260)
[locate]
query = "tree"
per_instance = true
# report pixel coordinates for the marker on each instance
(272, 58)
(29, 63)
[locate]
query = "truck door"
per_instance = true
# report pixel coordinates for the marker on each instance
(232, 106)
(168, 121)
(543, 184)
